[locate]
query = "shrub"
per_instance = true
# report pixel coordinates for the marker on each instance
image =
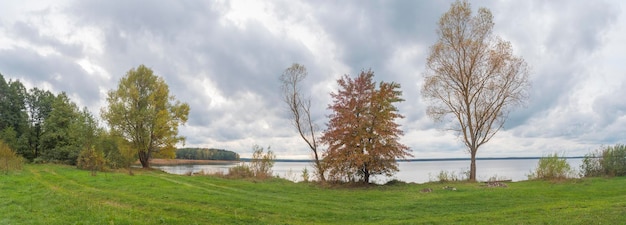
(447, 176)
(607, 161)
(592, 164)
(39, 160)
(496, 178)
(552, 167)
(9, 160)
(111, 152)
(240, 171)
(395, 182)
(64, 154)
(261, 164)
(614, 160)
(92, 160)
(305, 175)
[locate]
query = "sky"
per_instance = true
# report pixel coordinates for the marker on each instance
(224, 58)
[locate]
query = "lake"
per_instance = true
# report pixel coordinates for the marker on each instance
(413, 171)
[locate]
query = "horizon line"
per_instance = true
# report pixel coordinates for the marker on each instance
(432, 159)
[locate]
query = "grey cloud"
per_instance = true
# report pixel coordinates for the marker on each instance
(557, 40)
(60, 72)
(57, 68)
(235, 59)
(27, 32)
(611, 107)
(164, 18)
(583, 28)
(368, 32)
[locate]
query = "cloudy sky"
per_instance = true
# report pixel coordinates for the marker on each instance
(224, 58)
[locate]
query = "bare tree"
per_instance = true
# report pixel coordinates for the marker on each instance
(473, 77)
(300, 109)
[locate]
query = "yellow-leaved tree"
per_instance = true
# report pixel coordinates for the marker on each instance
(143, 112)
(472, 77)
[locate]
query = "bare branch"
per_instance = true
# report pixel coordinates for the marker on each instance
(473, 76)
(300, 111)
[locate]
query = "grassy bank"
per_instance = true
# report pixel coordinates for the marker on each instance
(54, 194)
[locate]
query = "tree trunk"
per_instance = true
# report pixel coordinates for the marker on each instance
(473, 166)
(144, 159)
(366, 175)
(320, 169)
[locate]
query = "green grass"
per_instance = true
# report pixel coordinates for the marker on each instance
(55, 194)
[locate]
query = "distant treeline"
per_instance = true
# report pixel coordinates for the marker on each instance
(206, 154)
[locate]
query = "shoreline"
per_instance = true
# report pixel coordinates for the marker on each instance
(173, 162)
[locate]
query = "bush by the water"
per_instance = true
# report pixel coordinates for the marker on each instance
(448, 176)
(261, 162)
(552, 167)
(606, 161)
(260, 165)
(9, 160)
(240, 171)
(305, 175)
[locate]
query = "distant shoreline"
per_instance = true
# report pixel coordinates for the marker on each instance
(430, 159)
(487, 158)
(172, 162)
(168, 162)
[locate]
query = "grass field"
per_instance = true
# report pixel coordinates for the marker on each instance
(56, 194)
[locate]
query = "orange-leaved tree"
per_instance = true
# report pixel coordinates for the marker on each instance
(362, 135)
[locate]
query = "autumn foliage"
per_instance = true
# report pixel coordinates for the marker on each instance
(362, 135)
(9, 160)
(144, 113)
(472, 77)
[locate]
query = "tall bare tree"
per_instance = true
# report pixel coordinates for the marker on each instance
(473, 77)
(300, 109)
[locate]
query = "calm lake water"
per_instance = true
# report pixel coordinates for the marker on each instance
(417, 171)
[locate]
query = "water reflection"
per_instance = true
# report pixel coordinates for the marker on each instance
(189, 169)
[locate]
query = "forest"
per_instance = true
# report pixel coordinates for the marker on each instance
(206, 154)
(43, 126)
